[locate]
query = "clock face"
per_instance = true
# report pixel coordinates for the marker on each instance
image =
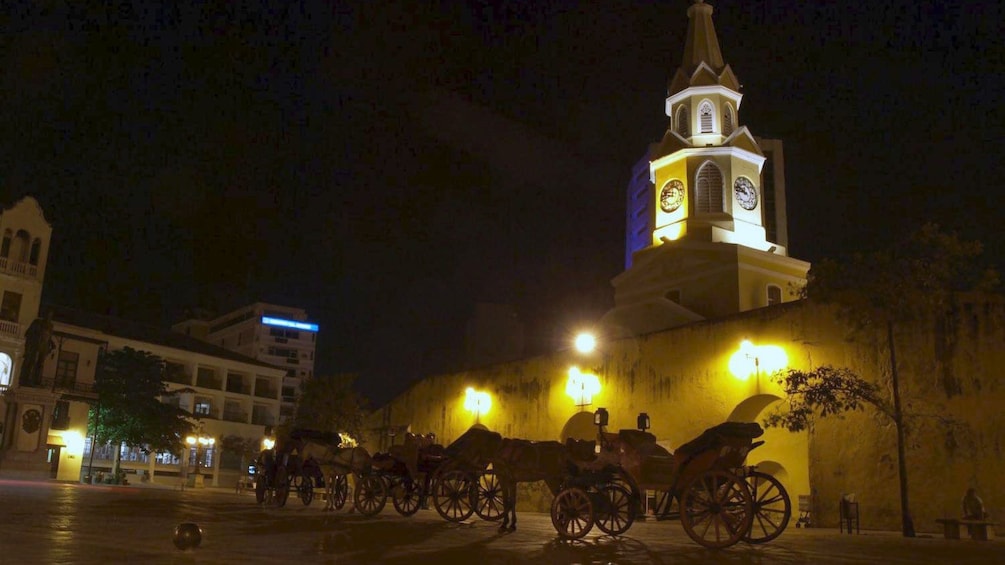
(672, 196)
(746, 193)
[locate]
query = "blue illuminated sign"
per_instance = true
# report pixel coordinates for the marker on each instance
(289, 324)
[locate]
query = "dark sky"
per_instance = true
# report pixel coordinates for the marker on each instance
(385, 165)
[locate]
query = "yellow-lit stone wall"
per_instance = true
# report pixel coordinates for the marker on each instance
(681, 378)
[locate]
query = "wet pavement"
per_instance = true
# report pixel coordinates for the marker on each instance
(47, 522)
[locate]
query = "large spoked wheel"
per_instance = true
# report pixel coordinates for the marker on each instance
(406, 496)
(305, 488)
(572, 513)
(282, 483)
(454, 495)
(370, 495)
(489, 505)
(340, 491)
(772, 508)
(716, 509)
(614, 509)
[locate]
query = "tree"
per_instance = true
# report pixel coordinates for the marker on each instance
(130, 385)
(912, 282)
(329, 403)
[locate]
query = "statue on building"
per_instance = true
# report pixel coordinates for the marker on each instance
(38, 344)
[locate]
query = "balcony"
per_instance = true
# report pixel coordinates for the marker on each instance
(235, 416)
(205, 381)
(237, 387)
(263, 419)
(69, 388)
(10, 329)
(266, 392)
(17, 268)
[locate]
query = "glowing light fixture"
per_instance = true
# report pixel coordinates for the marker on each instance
(477, 402)
(753, 359)
(283, 323)
(268, 443)
(582, 386)
(346, 440)
(74, 442)
(585, 342)
(199, 442)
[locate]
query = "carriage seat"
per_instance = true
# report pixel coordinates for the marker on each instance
(715, 437)
(581, 449)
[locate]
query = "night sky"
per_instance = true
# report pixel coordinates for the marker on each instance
(386, 167)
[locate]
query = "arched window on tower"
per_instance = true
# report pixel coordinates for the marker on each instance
(5, 245)
(36, 249)
(727, 120)
(708, 189)
(683, 127)
(774, 294)
(705, 113)
(21, 246)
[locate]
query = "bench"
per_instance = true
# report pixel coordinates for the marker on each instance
(981, 530)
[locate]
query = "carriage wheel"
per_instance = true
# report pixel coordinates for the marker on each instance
(772, 508)
(716, 509)
(305, 488)
(489, 505)
(340, 491)
(572, 513)
(370, 495)
(453, 495)
(282, 485)
(405, 495)
(614, 509)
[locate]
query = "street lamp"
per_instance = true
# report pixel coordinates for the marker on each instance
(477, 402)
(585, 342)
(200, 442)
(581, 387)
(750, 359)
(643, 422)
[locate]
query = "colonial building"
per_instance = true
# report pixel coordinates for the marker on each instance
(281, 336)
(704, 316)
(48, 366)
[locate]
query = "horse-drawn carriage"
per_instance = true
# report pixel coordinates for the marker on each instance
(719, 501)
(308, 459)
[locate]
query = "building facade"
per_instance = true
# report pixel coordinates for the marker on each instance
(49, 364)
(281, 336)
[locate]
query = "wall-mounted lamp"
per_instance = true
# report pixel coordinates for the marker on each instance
(753, 359)
(600, 417)
(268, 443)
(581, 386)
(643, 422)
(477, 402)
(585, 342)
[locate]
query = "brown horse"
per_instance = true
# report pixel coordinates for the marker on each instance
(520, 460)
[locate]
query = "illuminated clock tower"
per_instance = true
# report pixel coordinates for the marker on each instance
(704, 205)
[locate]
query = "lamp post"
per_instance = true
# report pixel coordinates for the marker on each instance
(478, 402)
(200, 442)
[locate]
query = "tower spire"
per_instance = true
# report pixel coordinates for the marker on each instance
(702, 45)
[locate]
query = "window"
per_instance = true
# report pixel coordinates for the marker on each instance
(705, 113)
(6, 366)
(774, 295)
(10, 306)
(203, 407)
(727, 120)
(5, 246)
(66, 369)
(61, 415)
(36, 249)
(683, 127)
(709, 189)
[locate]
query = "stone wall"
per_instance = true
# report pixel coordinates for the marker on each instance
(681, 378)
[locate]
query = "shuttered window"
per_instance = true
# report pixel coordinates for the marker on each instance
(727, 121)
(705, 115)
(774, 295)
(709, 189)
(683, 127)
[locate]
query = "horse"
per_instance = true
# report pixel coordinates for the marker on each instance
(335, 462)
(519, 460)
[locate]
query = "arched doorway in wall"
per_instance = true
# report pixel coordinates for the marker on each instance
(784, 455)
(579, 426)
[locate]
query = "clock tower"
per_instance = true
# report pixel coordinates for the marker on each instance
(704, 251)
